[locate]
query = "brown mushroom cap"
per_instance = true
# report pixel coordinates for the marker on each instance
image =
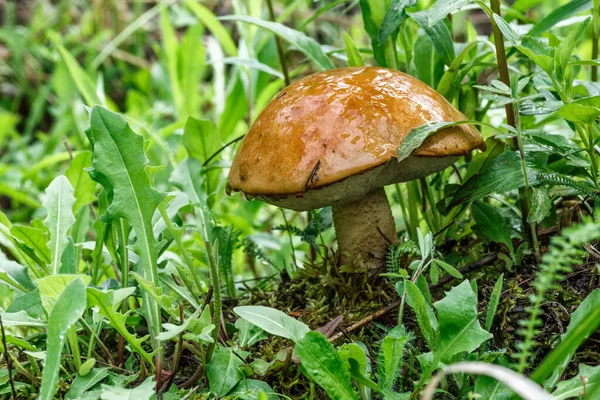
(342, 123)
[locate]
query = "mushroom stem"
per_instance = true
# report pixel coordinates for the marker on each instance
(365, 228)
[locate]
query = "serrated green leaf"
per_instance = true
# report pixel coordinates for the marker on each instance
(493, 303)
(105, 302)
(322, 364)
(417, 301)
(459, 327)
(59, 205)
(390, 356)
(82, 184)
(70, 306)
(119, 165)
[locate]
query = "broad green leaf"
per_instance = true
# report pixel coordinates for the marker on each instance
(442, 8)
(303, 43)
(69, 307)
(490, 388)
(252, 389)
(249, 334)
(416, 300)
(21, 319)
(490, 224)
(119, 165)
(415, 138)
(223, 371)
(59, 205)
(439, 34)
(459, 328)
(188, 178)
(35, 239)
(356, 361)
(563, 52)
(322, 364)
(105, 301)
(541, 204)
(574, 387)
(273, 321)
(212, 23)
(580, 325)
(30, 303)
(538, 52)
(52, 286)
(82, 384)
(394, 16)
(172, 331)
(583, 111)
(354, 58)
(502, 174)
(14, 274)
(493, 303)
(144, 391)
(567, 10)
(428, 66)
(507, 31)
(373, 16)
(82, 184)
(448, 268)
(390, 356)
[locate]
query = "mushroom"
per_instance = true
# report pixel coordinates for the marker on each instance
(330, 139)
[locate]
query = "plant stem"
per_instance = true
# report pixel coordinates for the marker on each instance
(216, 283)
(189, 262)
(8, 361)
(280, 52)
(287, 226)
(510, 115)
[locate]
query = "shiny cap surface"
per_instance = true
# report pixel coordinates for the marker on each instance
(338, 123)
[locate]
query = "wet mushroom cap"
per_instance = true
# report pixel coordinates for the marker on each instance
(338, 131)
